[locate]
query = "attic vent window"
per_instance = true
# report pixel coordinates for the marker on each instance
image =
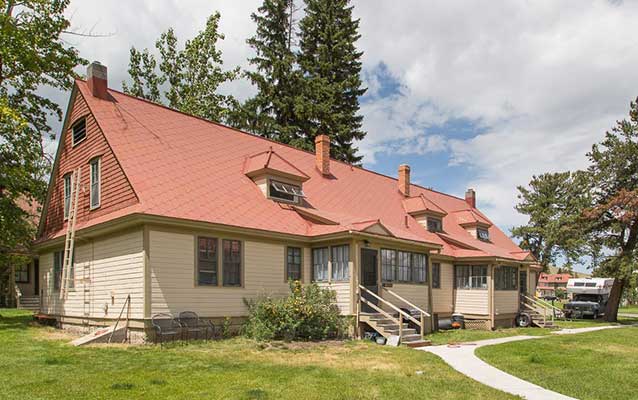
(285, 191)
(79, 131)
(483, 234)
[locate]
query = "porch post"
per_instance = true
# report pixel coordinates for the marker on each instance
(490, 293)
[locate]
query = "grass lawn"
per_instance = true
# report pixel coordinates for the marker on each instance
(629, 309)
(38, 363)
(595, 365)
(468, 335)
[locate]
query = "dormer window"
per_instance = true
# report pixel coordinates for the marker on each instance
(79, 131)
(435, 224)
(285, 191)
(483, 234)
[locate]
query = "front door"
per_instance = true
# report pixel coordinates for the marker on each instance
(369, 277)
(523, 282)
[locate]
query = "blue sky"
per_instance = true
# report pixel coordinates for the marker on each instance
(467, 95)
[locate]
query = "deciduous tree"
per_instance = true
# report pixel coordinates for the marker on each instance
(193, 74)
(32, 56)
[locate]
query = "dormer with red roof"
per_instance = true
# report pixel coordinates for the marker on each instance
(277, 178)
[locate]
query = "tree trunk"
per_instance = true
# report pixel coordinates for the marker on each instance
(611, 312)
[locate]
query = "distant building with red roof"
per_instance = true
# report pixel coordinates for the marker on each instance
(181, 213)
(548, 283)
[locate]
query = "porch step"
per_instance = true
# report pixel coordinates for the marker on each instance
(31, 303)
(406, 331)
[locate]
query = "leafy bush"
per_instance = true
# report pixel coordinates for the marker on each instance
(307, 313)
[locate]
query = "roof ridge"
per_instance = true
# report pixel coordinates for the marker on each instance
(272, 141)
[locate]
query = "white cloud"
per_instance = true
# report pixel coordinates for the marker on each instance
(542, 79)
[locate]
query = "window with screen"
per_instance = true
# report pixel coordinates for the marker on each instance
(522, 281)
(340, 263)
(285, 191)
(420, 267)
(67, 194)
(388, 265)
(506, 278)
(57, 269)
(206, 261)
(293, 263)
(79, 131)
(95, 182)
(22, 273)
(231, 259)
(470, 276)
(436, 275)
(483, 234)
(320, 264)
(435, 224)
(404, 266)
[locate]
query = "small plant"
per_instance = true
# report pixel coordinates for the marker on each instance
(308, 313)
(122, 386)
(535, 359)
(226, 331)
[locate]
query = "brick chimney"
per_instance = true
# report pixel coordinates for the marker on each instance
(470, 198)
(404, 179)
(97, 80)
(322, 151)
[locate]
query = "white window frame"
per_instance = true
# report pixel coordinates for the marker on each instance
(67, 178)
(288, 188)
(95, 162)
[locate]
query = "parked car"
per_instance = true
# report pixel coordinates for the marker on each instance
(589, 297)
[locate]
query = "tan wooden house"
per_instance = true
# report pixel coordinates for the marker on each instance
(180, 214)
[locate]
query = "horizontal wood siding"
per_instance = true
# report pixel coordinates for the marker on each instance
(506, 301)
(116, 191)
(415, 294)
(443, 298)
(114, 267)
(173, 289)
(343, 292)
(471, 302)
(532, 275)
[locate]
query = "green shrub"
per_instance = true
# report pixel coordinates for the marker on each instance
(307, 313)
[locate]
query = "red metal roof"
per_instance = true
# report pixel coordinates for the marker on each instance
(185, 167)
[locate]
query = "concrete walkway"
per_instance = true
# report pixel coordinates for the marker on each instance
(463, 359)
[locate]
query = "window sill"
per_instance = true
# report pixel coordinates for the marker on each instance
(74, 143)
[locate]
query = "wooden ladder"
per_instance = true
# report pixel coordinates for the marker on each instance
(70, 234)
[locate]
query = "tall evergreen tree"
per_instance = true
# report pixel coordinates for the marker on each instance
(330, 64)
(194, 74)
(271, 113)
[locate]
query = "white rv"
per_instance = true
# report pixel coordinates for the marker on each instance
(589, 297)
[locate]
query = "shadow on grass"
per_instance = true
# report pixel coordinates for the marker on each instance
(15, 319)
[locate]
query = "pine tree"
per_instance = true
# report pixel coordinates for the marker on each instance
(271, 113)
(330, 64)
(194, 74)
